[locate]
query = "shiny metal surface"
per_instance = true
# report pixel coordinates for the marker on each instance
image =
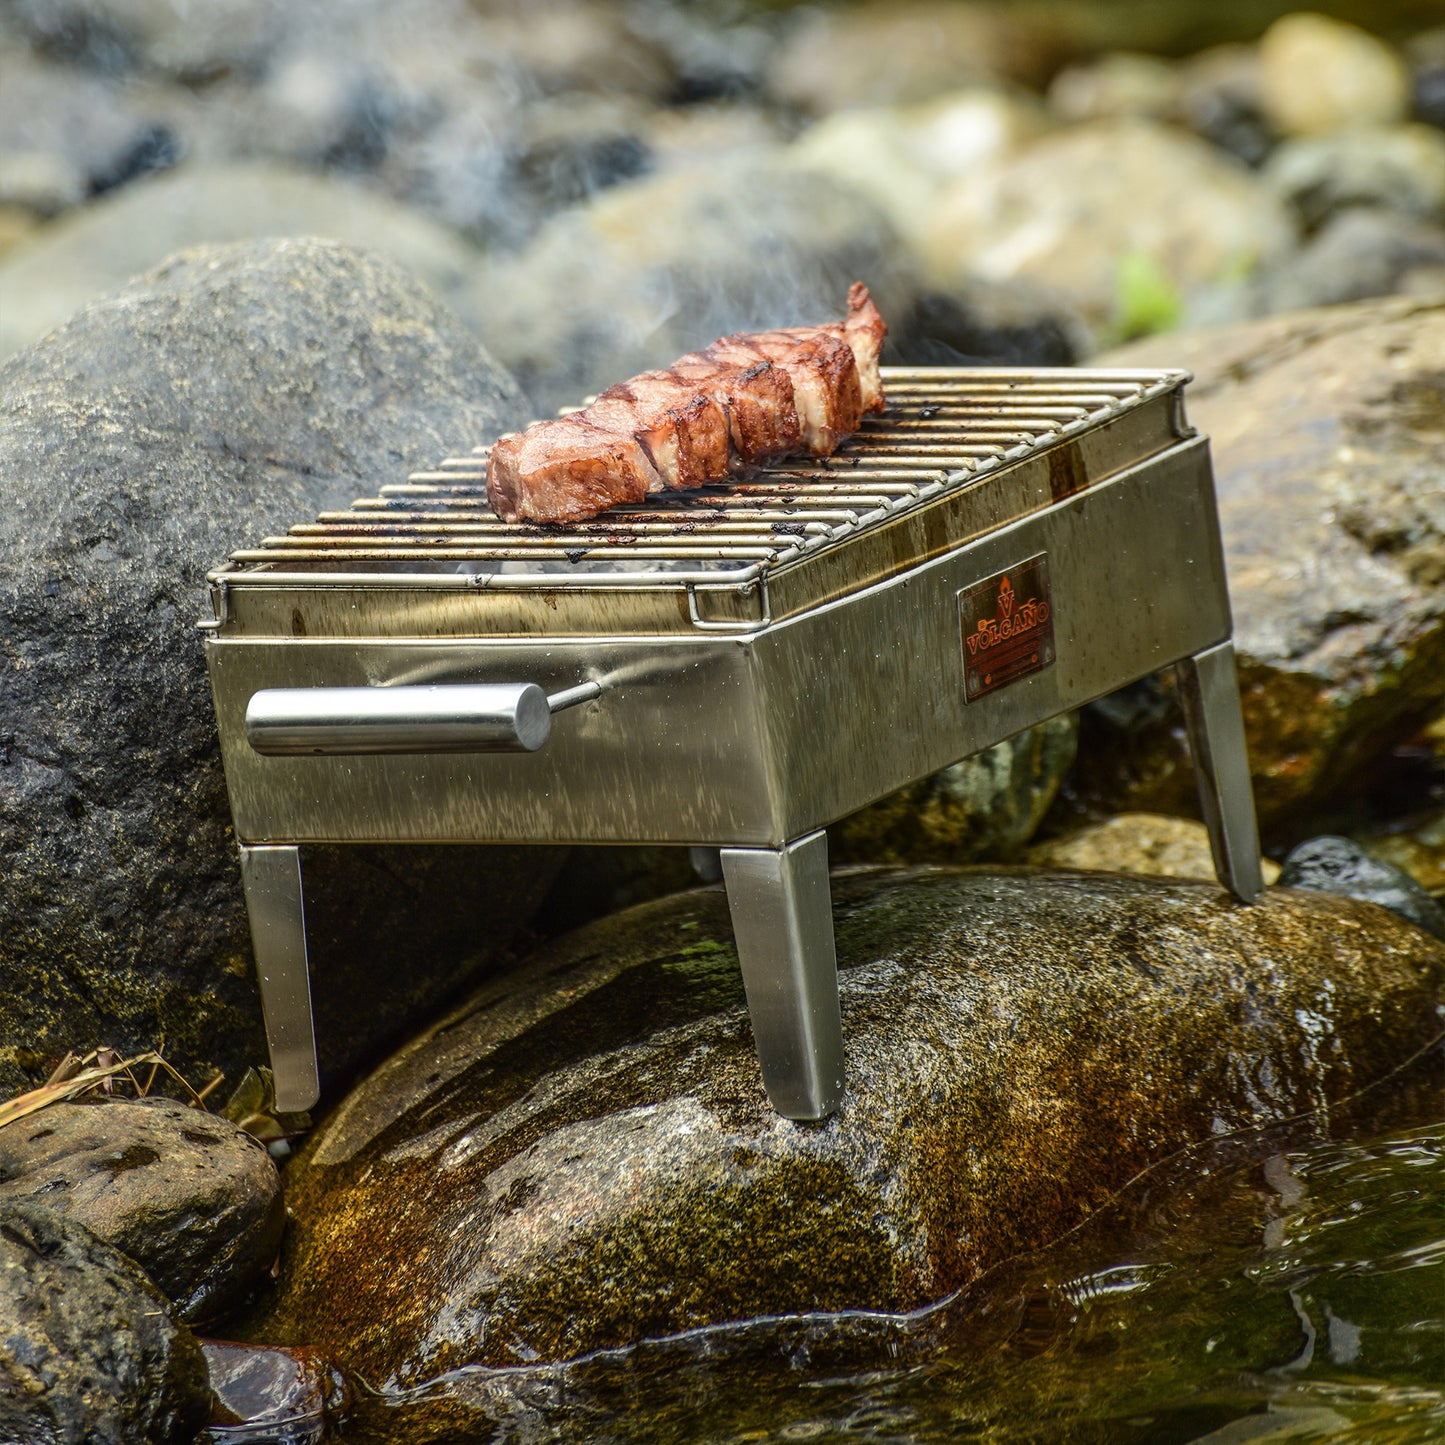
(455, 718)
(958, 454)
(1209, 694)
(272, 880)
(783, 922)
(747, 738)
(739, 667)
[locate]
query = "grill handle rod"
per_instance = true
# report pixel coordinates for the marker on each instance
(488, 717)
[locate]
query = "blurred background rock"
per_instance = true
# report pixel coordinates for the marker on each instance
(1108, 169)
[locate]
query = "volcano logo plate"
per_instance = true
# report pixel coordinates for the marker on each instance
(1007, 625)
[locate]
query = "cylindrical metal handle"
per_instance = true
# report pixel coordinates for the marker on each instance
(512, 717)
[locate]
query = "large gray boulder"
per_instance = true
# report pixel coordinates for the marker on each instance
(230, 393)
(1326, 429)
(187, 1195)
(95, 250)
(586, 1157)
(88, 1349)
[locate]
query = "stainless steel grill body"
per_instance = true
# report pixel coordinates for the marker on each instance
(733, 669)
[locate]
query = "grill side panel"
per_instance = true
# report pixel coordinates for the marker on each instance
(868, 693)
(670, 752)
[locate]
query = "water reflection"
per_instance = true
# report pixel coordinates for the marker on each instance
(1293, 1295)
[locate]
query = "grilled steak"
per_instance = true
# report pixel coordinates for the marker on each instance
(762, 418)
(824, 376)
(743, 400)
(566, 471)
(683, 430)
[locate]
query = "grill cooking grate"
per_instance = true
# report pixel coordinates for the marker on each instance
(942, 430)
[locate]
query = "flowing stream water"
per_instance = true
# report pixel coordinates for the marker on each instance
(1275, 1288)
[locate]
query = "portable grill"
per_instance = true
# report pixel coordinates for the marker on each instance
(730, 670)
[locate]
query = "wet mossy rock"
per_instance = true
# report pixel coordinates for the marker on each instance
(187, 1195)
(1327, 430)
(88, 1349)
(984, 807)
(582, 1155)
(232, 392)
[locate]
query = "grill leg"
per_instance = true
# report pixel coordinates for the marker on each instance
(782, 914)
(1209, 692)
(272, 879)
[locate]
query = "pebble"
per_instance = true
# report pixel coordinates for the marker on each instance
(1121, 83)
(1319, 75)
(1397, 168)
(1342, 867)
(1049, 213)
(187, 1195)
(1146, 843)
(89, 1350)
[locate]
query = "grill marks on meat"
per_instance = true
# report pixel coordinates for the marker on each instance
(566, 471)
(683, 431)
(826, 390)
(744, 400)
(758, 399)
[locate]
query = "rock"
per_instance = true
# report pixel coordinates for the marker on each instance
(1357, 254)
(194, 1201)
(572, 147)
(986, 806)
(902, 157)
(889, 51)
(223, 397)
(97, 249)
(1147, 843)
(65, 135)
(1340, 866)
(1220, 99)
(1326, 428)
(192, 41)
(1049, 213)
(88, 1348)
(1399, 168)
(1120, 84)
(16, 223)
(708, 134)
(596, 882)
(587, 1158)
(674, 261)
(315, 107)
(1420, 851)
(978, 323)
(560, 47)
(1426, 55)
(1319, 75)
(716, 52)
(258, 1386)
